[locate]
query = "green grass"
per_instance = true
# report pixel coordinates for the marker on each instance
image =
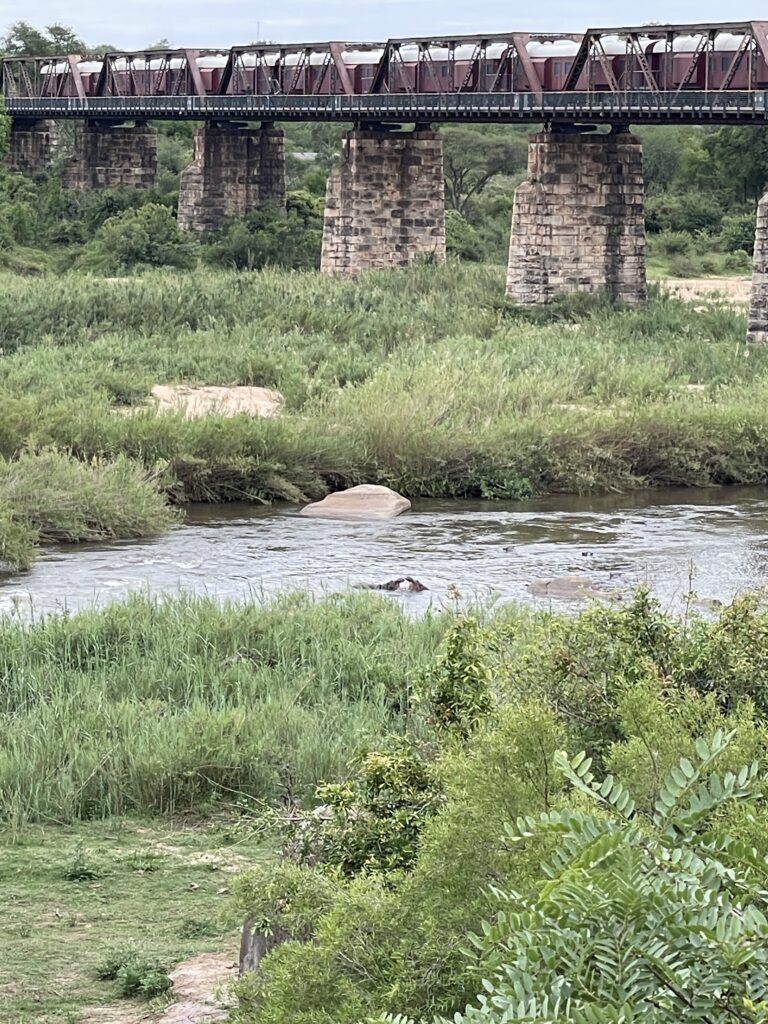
(173, 706)
(51, 496)
(159, 886)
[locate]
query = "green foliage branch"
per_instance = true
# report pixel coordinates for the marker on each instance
(655, 919)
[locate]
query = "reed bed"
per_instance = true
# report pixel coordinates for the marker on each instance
(165, 706)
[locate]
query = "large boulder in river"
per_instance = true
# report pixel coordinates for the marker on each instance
(367, 501)
(196, 403)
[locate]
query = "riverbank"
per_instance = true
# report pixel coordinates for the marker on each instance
(426, 381)
(145, 748)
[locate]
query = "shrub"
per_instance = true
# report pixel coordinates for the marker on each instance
(145, 237)
(456, 689)
(639, 920)
(372, 823)
(462, 238)
(135, 973)
(272, 237)
(673, 243)
(686, 212)
(737, 232)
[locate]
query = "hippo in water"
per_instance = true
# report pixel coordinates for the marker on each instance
(404, 583)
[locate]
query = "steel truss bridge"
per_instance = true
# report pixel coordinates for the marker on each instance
(661, 80)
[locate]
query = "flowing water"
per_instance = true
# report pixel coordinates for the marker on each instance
(714, 542)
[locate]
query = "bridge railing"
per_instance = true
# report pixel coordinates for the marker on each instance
(522, 106)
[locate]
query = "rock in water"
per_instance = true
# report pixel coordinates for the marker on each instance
(367, 501)
(403, 583)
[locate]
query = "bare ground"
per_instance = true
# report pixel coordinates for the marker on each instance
(729, 290)
(196, 987)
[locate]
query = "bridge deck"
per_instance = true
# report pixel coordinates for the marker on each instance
(712, 107)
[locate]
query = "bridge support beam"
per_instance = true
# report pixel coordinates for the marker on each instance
(757, 322)
(33, 146)
(385, 203)
(235, 170)
(578, 220)
(112, 156)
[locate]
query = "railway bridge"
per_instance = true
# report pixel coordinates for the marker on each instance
(578, 219)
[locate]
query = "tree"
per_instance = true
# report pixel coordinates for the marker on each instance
(473, 156)
(23, 40)
(5, 129)
(740, 161)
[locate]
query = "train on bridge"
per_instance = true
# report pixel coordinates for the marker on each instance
(653, 58)
(264, 73)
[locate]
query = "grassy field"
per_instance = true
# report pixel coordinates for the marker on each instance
(427, 381)
(167, 707)
(74, 895)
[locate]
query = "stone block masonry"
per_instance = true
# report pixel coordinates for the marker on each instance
(385, 204)
(33, 146)
(107, 156)
(578, 220)
(757, 322)
(234, 171)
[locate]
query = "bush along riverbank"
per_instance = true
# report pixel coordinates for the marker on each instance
(425, 380)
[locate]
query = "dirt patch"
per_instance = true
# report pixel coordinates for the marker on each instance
(196, 984)
(196, 403)
(731, 290)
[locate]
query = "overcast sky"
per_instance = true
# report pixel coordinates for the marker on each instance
(136, 23)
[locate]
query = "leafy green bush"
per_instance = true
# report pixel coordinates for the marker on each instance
(462, 238)
(737, 232)
(639, 919)
(135, 973)
(456, 690)
(144, 237)
(673, 243)
(371, 823)
(272, 237)
(683, 213)
(284, 900)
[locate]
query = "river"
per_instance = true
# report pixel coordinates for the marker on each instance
(715, 541)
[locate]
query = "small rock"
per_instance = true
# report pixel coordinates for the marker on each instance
(367, 501)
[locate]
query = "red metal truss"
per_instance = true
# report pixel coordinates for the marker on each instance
(282, 69)
(515, 66)
(650, 67)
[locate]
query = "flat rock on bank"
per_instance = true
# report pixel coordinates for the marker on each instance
(366, 501)
(196, 403)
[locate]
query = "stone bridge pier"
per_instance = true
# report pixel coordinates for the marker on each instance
(33, 145)
(385, 204)
(112, 156)
(234, 171)
(757, 321)
(578, 220)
